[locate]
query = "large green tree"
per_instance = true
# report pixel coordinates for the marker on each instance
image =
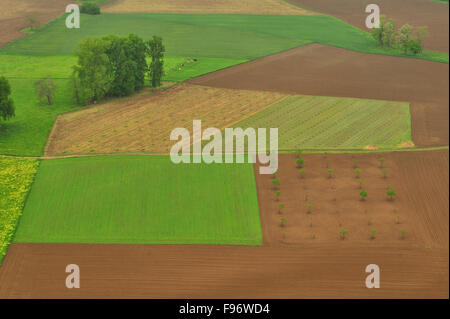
(137, 53)
(94, 68)
(6, 103)
(156, 49)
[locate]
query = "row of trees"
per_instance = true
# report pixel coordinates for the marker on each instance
(407, 38)
(115, 66)
(7, 109)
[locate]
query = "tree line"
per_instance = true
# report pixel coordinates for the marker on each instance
(115, 66)
(407, 38)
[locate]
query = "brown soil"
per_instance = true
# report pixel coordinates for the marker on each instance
(204, 6)
(420, 178)
(294, 267)
(328, 71)
(14, 13)
(416, 12)
(143, 124)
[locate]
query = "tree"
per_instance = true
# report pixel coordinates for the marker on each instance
(373, 232)
(385, 33)
(361, 182)
(45, 90)
(277, 194)
(404, 36)
(381, 160)
(343, 232)
(363, 194)
(391, 193)
(138, 51)
(385, 172)
(283, 221)
(123, 67)
(7, 109)
(156, 49)
(90, 8)
(280, 208)
(302, 172)
(403, 233)
(275, 182)
(330, 173)
(93, 69)
(397, 219)
(309, 208)
(358, 172)
(75, 87)
(300, 161)
(299, 152)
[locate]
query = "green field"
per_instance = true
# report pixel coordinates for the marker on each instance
(60, 67)
(315, 122)
(214, 36)
(16, 176)
(27, 132)
(141, 199)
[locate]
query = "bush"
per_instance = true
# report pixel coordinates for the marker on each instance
(90, 8)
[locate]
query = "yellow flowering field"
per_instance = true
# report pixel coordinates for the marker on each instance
(16, 176)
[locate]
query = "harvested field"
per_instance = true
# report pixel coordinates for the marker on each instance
(144, 124)
(416, 12)
(328, 71)
(204, 6)
(14, 13)
(421, 181)
(172, 271)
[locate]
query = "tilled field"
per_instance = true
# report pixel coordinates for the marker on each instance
(15, 14)
(415, 12)
(329, 71)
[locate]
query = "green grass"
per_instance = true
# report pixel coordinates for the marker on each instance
(142, 200)
(60, 67)
(16, 176)
(27, 132)
(214, 36)
(313, 122)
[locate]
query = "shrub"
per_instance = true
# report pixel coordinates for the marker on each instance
(90, 8)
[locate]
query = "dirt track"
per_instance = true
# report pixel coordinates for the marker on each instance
(14, 12)
(328, 71)
(415, 12)
(327, 268)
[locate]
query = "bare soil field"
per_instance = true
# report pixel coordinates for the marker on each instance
(204, 6)
(174, 271)
(290, 264)
(143, 124)
(328, 71)
(415, 12)
(420, 179)
(14, 14)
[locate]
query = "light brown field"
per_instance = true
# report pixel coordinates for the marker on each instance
(143, 124)
(204, 6)
(13, 15)
(290, 264)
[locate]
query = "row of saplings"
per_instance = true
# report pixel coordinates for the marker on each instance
(390, 193)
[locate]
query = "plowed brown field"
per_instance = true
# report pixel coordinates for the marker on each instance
(328, 71)
(13, 15)
(295, 266)
(204, 6)
(144, 124)
(415, 12)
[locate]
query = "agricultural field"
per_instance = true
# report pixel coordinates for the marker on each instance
(139, 125)
(145, 200)
(315, 122)
(87, 114)
(274, 7)
(16, 176)
(232, 36)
